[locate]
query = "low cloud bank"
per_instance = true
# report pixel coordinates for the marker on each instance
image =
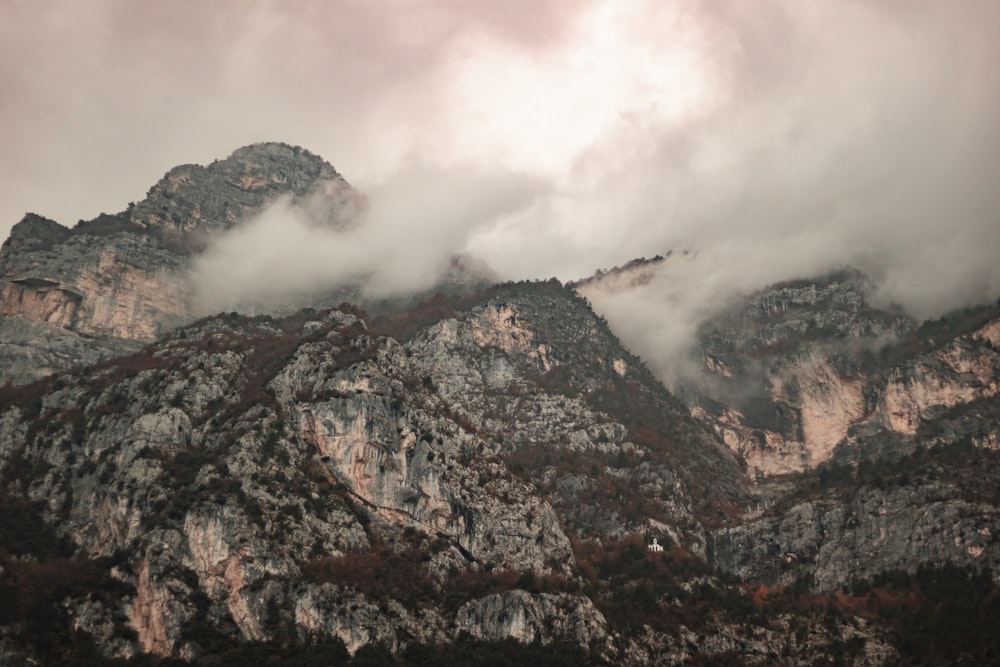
(778, 139)
(414, 225)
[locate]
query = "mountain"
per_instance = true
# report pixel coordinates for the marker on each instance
(868, 437)
(889, 426)
(477, 475)
(808, 372)
(108, 285)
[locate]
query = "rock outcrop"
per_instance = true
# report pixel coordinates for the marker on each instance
(853, 408)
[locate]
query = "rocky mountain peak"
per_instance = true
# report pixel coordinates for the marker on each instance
(71, 296)
(279, 152)
(192, 199)
(33, 232)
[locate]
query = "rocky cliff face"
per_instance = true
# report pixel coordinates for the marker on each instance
(803, 371)
(247, 476)
(119, 279)
(833, 541)
(875, 419)
(321, 479)
(475, 469)
(869, 438)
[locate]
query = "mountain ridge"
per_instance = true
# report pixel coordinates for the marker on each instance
(475, 467)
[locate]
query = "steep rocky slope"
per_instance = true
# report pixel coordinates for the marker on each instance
(809, 371)
(454, 472)
(784, 370)
(870, 439)
(477, 473)
(71, 296)
(876, 423)
(240, 477)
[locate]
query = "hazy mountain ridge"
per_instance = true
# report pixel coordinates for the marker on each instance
(801, 374)
(484, 466)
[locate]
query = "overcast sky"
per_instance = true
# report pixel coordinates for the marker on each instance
(776, 138)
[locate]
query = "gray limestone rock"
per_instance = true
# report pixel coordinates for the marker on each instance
(483, 466)
(120, 279)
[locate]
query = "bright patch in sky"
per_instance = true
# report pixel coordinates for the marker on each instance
(543, 110)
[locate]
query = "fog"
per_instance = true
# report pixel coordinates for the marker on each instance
(415, 223)
(777, 139)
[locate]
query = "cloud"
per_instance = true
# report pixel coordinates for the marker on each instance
(776, 138)
(101, 99)
(836, 133)
(415, 223)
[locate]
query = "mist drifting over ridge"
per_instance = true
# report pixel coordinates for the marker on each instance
(414, 224)
(779, 140)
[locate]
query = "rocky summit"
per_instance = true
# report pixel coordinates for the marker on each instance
(111, 284)
(475, 475)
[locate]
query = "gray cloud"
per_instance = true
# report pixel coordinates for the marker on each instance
(415, 222)
(850, 133)
(776, 138)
